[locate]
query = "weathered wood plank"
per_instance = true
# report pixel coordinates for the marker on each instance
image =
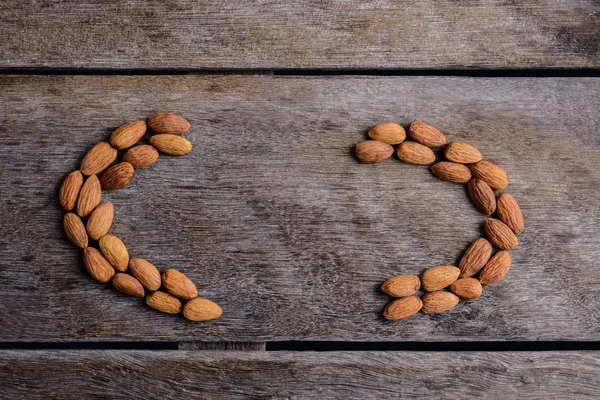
(299, 34)
(275, 220)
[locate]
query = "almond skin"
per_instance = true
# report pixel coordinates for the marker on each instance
(490, 173)
(200, 309)
(401, 285)
(146, 273)
(438, 302)
(451, 172)
(178, 284)
(89, 197)
(388, 132)
(373, 151)
(164, 302)
(168, 123)
(509, 212)
(75, 230)
(466, 288)
(128, 285)
(482, 195)
(478, 253)
(496, 269)
(439, 277)
(127, 135)
(98, 158)
(462, 153)
(172, 145)
(500, 235)
(415, 153)
(141, 156)
(402, 307)
(115, 252)
(117, 176)
(100, 220)
(426, 134)
(69, 190)
(97, 266)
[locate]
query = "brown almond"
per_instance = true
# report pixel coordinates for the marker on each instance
(509, 212)
(97, 266)
(178, 284)
(128, 285)
(373, 151)
(164, 302)
(402, 307)
(500, 235)
(415, 153)
(496, 269)
(482, 195)
(89, 197)
(466, 288)
(69, 190)
(490, 173)
(388, 132)
(115, 252)
(168, 123)
(141, 156)
(127, 135)
(172, 145)
(462, 153)
(98, 158)
(426, 134)
(478, 253)
(436, 278)
(75, 230)
(451, 171)
(438, 302)
(401, 285)
(146, 273)
(100, 220)
(200, 309)
(117, 176)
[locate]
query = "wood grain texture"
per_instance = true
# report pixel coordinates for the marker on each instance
(272, 217)
(300, 34)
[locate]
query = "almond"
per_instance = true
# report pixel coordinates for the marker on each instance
(402, 307)
(426, 134)
(373, 151)
(117, 176)
(466, 288)
(482, 195)
(89, 197)
(171, 144)
(128, 285)
(451, 172)
(437, 302)
(490, 173)
(98, 158)
(478, 253)
(115, 251)
(439, 277)
(462, 153)
(100, 220)
(500, 235)
(75, 230)
(388, 132)
(178, 284)
(127, 135)
(401, 285)
(147, 273)
(509, 212)
(97, 266)
(168, 123)
(496, 269)
(164, 302)
(200, 309)
(141, 156)
(69, 190)
(415, 153)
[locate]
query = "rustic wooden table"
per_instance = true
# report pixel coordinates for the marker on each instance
(273, 217)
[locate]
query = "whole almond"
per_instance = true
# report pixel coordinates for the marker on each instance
(509, 212)
(200, 309)
(98, 158)
(426, 134)
(100, 220)
(401, 285)
(127, 135)
(168, 123)
(117, 176)
(128, 285)
(438, 302)
(482, 195)
(75, 230)
(496, 269)
(69, 190)
(373, 151)
(115, 252)
(439, 277)
(178, 284)
(415, 153)
(97, 266)
(466, 288)
(146, 273)
(402, 307)
(164, 302)
(451, 172)
(500, 235)
(171, 144)
(89, 197)
(388, 132)
(141, 156)
(462, 153)
(490, 173)
(478, 253)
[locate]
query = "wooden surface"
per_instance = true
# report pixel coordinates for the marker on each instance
(299, 34)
